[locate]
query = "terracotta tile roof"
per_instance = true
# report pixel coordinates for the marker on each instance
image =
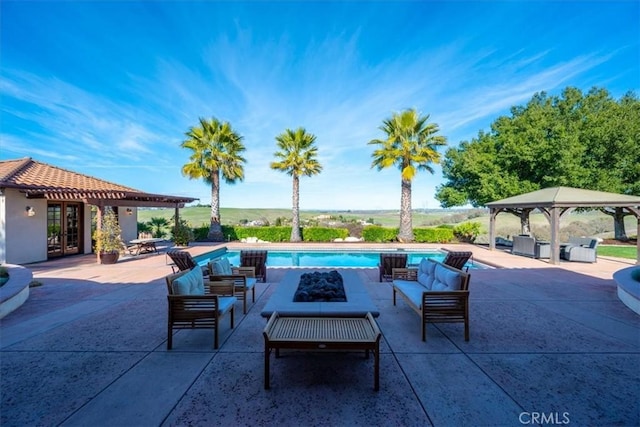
(39, 179)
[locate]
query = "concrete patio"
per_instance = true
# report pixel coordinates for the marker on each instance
(550, 343)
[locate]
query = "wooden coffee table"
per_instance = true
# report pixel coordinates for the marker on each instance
(322, 333)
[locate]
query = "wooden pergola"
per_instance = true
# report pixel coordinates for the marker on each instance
(556, 202)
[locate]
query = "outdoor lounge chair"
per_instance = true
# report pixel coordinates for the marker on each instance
(194, 309)
(244, 279)
(184, 261)
(457, 259)
(257, 259)
(388, 262)
(581, 249)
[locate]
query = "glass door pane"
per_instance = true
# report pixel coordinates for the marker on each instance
(72, 228)
(54, 229)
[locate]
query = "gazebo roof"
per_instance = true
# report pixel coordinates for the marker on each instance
(566, 197)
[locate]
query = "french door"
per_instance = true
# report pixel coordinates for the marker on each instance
(64, 228)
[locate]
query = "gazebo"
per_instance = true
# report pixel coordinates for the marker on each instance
(556, 202)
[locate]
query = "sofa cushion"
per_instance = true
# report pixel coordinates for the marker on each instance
(411, 289)
(446, 280)
(190, 283)
(425, 272)
(225, 304)
(221, 267)
(226, 266)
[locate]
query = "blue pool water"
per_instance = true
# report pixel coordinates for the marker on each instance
(327, 258)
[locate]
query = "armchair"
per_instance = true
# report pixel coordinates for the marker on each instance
(243, 278)
(256, 259)
(581, 249)
(388, 262)
(192, 304)
(457, 259)
(184, 261)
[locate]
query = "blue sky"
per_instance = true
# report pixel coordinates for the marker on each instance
(109, 88)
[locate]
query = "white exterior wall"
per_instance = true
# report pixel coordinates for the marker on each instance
(3, 228)
(25, 237)
(128, 223)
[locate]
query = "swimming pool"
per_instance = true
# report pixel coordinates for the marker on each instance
(328, 258)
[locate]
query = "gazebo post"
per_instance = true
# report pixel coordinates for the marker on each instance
(555, 233)
(492, 228)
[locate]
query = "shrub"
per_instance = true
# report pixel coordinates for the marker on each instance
(467, 231)
(323, 234)
(433, 235)
(182, 233)
(374, 233)
(268, 234)
(200, 233)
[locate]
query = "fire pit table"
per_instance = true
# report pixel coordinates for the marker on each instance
(357, 304)
(322, 333)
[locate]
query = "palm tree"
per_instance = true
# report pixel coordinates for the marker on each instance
(297, 157)
(157, 225)
(411, 145)
(216, 150)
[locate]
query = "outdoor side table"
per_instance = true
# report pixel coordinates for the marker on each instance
(322, 333)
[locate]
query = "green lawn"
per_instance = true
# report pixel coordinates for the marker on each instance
(625, 251)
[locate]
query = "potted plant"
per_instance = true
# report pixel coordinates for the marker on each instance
(108, 240)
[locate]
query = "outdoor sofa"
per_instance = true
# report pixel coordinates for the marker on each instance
(581, 249)
(529, 246)
(437, 292)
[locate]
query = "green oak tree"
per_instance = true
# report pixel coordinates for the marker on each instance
(580, 140)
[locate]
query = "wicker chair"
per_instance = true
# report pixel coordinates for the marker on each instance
(199, 311)
(388, 262)
(458, 259)
(257, 259)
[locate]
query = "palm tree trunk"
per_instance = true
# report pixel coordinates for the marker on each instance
(215, 229)
(405, 234)
(295, 221)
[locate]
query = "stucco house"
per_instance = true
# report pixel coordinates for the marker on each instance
(45, 211)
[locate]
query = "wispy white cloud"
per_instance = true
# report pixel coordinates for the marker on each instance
(268, 73)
